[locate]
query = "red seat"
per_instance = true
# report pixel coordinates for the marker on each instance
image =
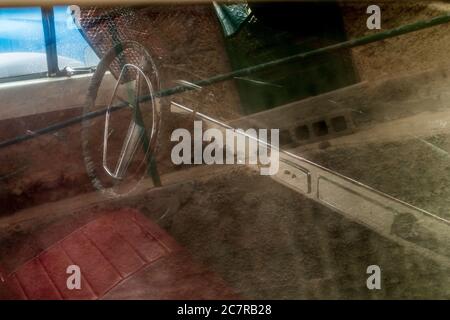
(121, 255)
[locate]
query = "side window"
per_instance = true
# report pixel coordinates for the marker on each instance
(22, 43)
(73, 50)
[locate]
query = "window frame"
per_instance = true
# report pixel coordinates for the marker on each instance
(48, 22)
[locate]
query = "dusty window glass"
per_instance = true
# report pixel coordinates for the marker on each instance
(356, 105)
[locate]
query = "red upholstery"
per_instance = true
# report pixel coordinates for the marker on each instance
(121, 255)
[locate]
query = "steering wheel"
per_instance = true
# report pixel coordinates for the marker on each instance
(122, 120)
